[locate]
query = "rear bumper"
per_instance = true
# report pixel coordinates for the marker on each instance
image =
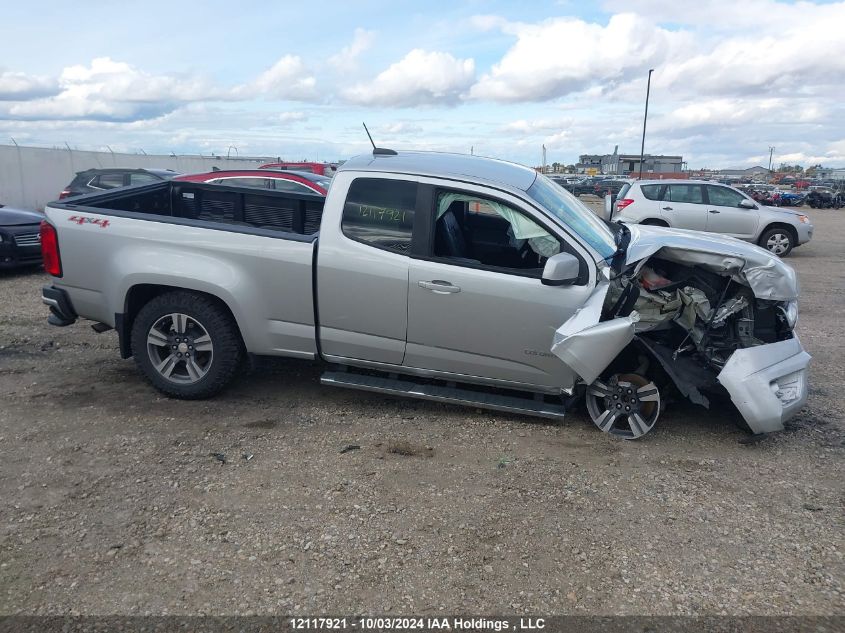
(61, 309)
(768, 383)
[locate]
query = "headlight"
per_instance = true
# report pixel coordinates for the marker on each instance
(803, 218)
(1, 238)
(790, 313)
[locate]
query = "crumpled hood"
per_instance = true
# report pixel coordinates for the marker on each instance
(766, 275)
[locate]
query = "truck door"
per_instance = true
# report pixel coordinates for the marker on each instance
(476, 305)
(362, 269)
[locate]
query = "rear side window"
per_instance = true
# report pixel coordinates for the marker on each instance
(684, 193)
(380, 212)
(137, 179)
(651, 192)
(108, 181)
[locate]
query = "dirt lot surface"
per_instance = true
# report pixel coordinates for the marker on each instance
(112, 502)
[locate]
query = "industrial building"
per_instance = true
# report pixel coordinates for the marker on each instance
(626, 164)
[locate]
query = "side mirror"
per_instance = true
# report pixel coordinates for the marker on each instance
(561, 270)
(747, 204)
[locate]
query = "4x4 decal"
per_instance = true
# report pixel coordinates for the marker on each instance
(81, 219)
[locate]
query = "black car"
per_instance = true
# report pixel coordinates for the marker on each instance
(608, 186)
(92, 180)
(20, 242)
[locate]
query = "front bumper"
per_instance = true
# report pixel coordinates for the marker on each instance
(805, 232)
(12, 255)
(61, 309)
(767, 383)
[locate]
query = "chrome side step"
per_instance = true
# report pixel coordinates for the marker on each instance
(451, 395)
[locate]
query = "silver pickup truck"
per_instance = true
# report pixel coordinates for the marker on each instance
(452, 278)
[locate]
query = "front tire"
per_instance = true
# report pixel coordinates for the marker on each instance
(778, 241)
(186, 345)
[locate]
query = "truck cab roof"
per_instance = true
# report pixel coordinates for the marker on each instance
(442, 164)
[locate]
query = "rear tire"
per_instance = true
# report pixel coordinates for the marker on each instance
(651, 222)
(186, 345)
(778, 241)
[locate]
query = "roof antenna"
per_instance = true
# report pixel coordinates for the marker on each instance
(378, 150)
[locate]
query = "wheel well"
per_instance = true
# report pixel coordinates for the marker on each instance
(141, 294)
(779, 225)
(655, 222)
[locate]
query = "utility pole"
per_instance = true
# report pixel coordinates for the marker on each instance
(771, 151)
(544, 158)
(645, 119)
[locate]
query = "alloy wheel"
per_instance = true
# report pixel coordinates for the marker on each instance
(180, 348)
(778, 243)
(626, 405)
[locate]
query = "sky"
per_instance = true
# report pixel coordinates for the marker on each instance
(293, 79)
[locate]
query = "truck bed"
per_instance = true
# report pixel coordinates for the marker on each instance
(210, 206)
(253, 249)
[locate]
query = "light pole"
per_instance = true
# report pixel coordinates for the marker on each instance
(645, 119)
(771, 151)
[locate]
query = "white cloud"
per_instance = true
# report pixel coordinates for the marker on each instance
(535, 126)
(292, 117)
(561, 56)
(347, 58)
(420, 78)
(287, 79)
(110, 90)
(20, 86)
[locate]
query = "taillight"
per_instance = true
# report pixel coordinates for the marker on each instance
(50, 249)
(64, 194)
(624, 202)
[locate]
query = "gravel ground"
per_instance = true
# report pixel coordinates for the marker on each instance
(113, 504)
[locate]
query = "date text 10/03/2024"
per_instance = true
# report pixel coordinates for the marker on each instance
(417, 624)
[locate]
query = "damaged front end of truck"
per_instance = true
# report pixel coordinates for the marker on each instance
(708, 314)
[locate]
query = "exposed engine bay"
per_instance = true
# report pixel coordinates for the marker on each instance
(693, 313)
(709, 322)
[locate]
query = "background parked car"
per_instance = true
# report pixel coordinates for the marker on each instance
(291, 181)
(20, 243)
(321, 169)
(714, 208)
(611, 186)
(92, 180)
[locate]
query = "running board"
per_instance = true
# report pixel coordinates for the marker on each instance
(451, 395)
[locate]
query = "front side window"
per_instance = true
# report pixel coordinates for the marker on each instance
(724, 197)
(683, 193)
(283, 184)
(472, 230)
(380, 212)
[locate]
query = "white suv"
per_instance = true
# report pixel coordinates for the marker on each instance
(712, 207)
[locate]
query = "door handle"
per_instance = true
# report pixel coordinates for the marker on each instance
(667, 208)
(439, 286)
(714, 211)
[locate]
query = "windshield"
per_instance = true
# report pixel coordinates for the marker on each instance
(569, 210)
